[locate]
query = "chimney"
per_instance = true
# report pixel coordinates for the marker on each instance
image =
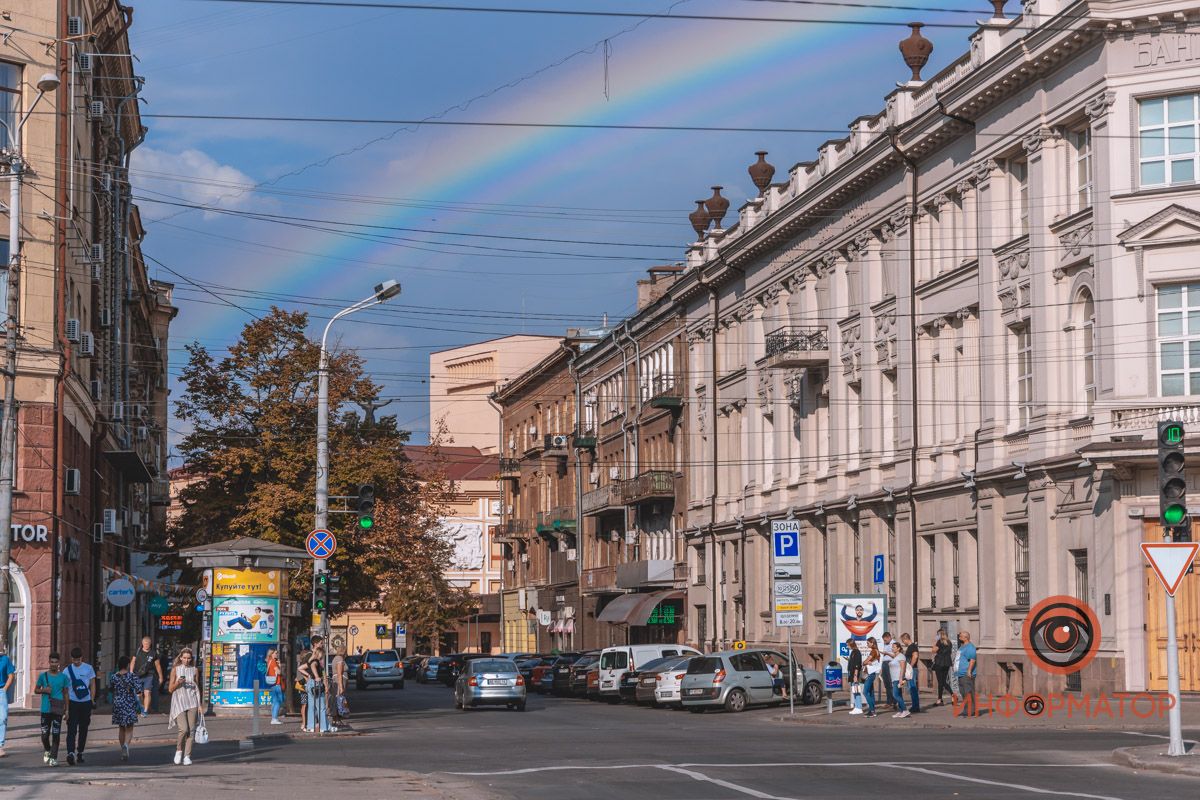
(916, 49)
(656, 284)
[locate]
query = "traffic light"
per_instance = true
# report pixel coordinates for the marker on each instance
(333, 591)
(366, 507)
(321, 584)
(1172, 485)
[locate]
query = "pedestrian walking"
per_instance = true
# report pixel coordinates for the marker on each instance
(318, 689)
(52, 685)
(893, 662)
(185, 704)
(126, 692)
(873, 664)
(885, 650)
(854, 674)
(146, 668)
(912, 659)
(79, 711)
(7, 676)
(942, 652)
(275, 685)
(302, 677)
(965, 669)
(337, 695)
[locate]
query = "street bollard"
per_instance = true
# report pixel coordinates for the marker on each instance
(254, 729)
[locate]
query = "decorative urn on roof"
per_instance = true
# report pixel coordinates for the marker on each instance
(916, 50)
(998, 9)
(717, 206)
(699, 218)
(761, 172)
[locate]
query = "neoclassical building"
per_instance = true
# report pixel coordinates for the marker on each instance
(946, 341)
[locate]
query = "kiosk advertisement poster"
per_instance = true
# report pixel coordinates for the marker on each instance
(245, 620)
(857, 617)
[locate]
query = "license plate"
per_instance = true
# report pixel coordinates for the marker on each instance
(497, 683)
(647, 681)
(607, 684)
(695, 691)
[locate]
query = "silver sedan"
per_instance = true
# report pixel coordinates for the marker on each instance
(490, 682)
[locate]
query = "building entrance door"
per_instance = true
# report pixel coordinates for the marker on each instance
(1187, 615)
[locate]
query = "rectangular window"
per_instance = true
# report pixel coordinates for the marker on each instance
(10, 103)
(1179, 339)
(856, 532)
(931, 566)
(1021, 565)
(1081, 141)
(891, 563)
(893, 387)
(1020, 197)
(1168, 133)
(954, 570)
(824, 567)
(1024, 375)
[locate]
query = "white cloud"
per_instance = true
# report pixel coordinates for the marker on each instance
(190, 176)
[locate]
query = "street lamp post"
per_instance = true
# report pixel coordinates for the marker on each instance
(8, 432)
(383, 292)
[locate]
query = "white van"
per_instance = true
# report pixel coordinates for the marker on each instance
(616, 661)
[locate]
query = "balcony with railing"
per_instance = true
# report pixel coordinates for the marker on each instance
(1022, 593)
(556, 520)
(652, 485)
(792, 347)
(600, 579)
(603, 499)
(664, 391)
(513, 529)
(510, 469)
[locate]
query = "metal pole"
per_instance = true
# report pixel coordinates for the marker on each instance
(255, 730)
(1175, 747)
(8, 438)
(792, 666)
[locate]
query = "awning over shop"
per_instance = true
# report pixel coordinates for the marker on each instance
(635, 609)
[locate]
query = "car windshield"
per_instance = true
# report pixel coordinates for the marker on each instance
(587, 661)
(387, 655)
(493, 665)
(618, 659)
(704, 665)
(658, 663)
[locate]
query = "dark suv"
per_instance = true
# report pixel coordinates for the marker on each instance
(451, 666)
(560, 682)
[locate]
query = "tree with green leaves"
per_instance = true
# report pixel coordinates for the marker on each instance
(251, 456)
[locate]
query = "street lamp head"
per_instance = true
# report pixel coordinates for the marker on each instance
(48, 82)
(387, 290)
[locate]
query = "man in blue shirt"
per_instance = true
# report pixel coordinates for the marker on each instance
(7, 675)
(53, 686)
(966, 674)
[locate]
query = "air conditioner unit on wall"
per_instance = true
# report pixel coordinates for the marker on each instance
(72, 480)
(75, 26)
(97, 271)
(118, 412)
(87, 344)
(73, 330)
(558, 440)
(614, 473)
(97, 252)
(85, 62)
(96, 109)
(110, 526)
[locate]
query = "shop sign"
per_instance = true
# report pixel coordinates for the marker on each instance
(170, 622)
(120, 592)
(242, 582)
(29, 534)
(662, 615)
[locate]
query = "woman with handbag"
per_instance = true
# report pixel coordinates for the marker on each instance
(943, 652)
(52, 685)
(126, 700)
(185, 705)
(873, 664)
(854, 674)
(275, 685)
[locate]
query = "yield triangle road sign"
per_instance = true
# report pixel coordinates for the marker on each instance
(1170, 561)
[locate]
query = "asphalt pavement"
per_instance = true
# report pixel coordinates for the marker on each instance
(414, 743)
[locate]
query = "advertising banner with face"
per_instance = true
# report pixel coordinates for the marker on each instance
(856, 617)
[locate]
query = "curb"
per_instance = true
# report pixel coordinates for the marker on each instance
(980, 723)
(1134, 758)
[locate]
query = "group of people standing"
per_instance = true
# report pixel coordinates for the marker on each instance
(69, 695)
(324, 706)
(895, 664)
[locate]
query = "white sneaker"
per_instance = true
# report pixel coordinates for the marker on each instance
(276, 722)
(897, 715)
(905, 715)
(187, 761)
(178, 756)
(854, 711)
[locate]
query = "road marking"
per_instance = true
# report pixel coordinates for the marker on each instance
(559, 768)
(1021, 786)
(757, 765)
(1157, 736)
(699, 776)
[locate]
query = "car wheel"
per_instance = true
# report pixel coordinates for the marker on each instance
(735, 701)
(520, 706)
(655, 704)
(812, 694)
(695, 709)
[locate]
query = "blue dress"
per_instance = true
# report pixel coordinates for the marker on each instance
(126, 689)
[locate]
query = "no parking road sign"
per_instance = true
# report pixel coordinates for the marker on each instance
(320, 544)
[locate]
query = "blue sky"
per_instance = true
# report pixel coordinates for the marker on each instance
(463, 188)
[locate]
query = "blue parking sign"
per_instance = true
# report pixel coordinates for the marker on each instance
(878, 571)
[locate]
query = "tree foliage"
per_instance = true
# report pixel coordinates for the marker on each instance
(251, 455)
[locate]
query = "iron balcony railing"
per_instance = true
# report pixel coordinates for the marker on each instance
(605, 497)
(655, 483)
(797, 340)
(510, 468)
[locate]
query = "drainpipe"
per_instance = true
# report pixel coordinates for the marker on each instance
(635, 425)
(624, 432)
(572, 357)
(503, 517)
(741, 527)
(715, 303)
(914, 208)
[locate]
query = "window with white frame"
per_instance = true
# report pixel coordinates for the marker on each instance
(656, 371)
(1081, 143)
(1019, 169)
(1024, 351)
(10, 102)
(1021, 565)
(1168, 137)
(1179, 339)
(1085, 309)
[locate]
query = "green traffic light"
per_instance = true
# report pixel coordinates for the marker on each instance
(366, 523)
(1172, 434)
(1174, 514)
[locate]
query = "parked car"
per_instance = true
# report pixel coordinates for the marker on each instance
(352, 664)
(616, 661)
(380, 667)
(658, 683)
(453, 665)
(541, 677)
(411, 665)
(535, 669)
(579, 673)
(560, 673)
(490, 681)
(633, 678)
(428, 672)
(593, 682)
(737, 679)
(627, 686)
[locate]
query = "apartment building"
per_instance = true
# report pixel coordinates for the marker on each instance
(92, 354)
(944, 344)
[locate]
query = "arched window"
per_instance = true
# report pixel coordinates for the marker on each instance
(1085, 321)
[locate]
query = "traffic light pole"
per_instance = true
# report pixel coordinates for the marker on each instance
(1174, 720)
